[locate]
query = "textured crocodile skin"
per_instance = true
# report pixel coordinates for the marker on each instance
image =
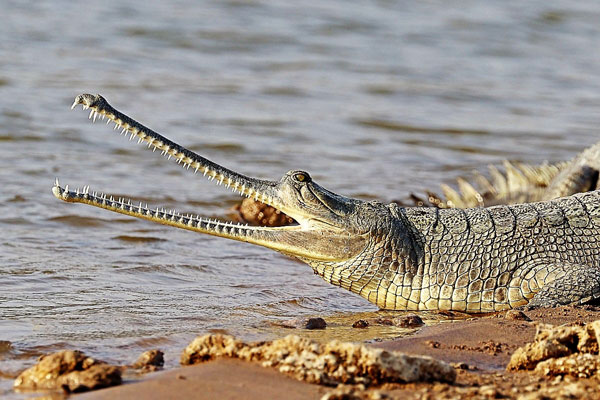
(479, 260)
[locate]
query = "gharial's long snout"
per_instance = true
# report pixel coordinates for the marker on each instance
(322, 233)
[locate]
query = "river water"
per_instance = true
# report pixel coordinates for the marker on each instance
(377, 99)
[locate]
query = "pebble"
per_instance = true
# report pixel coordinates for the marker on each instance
(516, 315)
(361, 323)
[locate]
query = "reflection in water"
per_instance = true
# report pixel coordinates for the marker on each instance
(376, 100)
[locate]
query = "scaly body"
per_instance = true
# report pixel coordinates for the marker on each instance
(473, 260)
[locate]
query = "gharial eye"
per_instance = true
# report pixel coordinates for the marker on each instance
(300, 177)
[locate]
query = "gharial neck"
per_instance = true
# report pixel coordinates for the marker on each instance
(393, 258)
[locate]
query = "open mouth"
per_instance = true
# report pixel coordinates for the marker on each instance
(258, 190)
(314, 237)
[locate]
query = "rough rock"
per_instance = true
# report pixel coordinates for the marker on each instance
(529, 356)
(329, 364)
(580, 365)
(95, 377)
(589, 338)
(150, 360)
(70, 370)
(560, 350)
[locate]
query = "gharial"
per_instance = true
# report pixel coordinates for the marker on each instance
(400, 258)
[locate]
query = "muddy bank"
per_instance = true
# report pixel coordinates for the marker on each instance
(479, 350)
(486, 342)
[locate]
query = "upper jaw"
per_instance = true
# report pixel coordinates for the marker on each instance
(261, 190)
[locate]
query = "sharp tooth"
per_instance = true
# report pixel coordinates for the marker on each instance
(56, 182)
(91, 113)
(74, 104)
(67, 188)
(95, 116)
(123, 131)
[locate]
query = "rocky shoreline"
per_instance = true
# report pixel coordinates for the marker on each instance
(543, 353)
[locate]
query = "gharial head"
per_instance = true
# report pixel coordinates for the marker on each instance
(329, 227)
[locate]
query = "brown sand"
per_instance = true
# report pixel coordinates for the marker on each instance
(220, 379)
(480, 347)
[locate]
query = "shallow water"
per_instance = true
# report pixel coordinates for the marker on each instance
(375, 99)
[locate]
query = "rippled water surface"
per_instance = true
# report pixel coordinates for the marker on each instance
(376, 99)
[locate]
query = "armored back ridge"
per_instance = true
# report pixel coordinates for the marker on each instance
(473, 260)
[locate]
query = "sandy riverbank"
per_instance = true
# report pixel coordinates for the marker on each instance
(480, 349)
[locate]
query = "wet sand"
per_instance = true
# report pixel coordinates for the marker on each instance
(479, 348)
